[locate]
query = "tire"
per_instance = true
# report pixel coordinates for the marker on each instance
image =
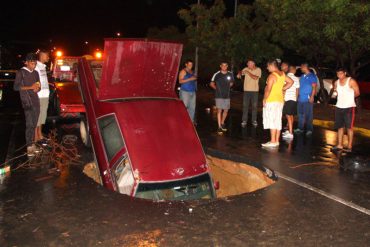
(54, 105)
(322, 96)
(84, 132)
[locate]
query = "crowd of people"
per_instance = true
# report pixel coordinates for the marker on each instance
(285, 94)
(32, 83)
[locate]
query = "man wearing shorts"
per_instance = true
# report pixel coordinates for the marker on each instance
(221, 82)
(43, 94)
(347, 90)
(273, 101)
(290, 98)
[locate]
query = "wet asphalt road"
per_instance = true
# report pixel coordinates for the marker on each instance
(71, 210)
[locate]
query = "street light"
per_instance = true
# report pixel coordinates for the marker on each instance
(59, 53)
(98, 55)
(118, 34)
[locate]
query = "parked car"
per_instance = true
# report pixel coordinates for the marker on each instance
(65, 97)
(8, 97)
(364, 84)
(329, 78)
(142, 136)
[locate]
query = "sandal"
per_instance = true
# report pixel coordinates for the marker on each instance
(336, 149)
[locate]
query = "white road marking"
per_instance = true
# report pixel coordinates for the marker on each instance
(326, 194)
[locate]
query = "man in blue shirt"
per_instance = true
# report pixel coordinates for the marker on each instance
(188, 82)
(307, 90)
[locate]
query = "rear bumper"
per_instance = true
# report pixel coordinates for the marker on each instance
(74, 108)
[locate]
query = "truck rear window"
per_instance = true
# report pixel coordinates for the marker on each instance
(188, 189)
(111, 135)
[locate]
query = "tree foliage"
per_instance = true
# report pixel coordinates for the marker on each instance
(230, 38)
(330, 31)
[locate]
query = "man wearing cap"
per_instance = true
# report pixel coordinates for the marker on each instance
(27, 82)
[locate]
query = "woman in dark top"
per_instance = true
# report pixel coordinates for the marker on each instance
(27, 82)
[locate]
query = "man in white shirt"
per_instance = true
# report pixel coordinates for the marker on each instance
(290, 98)
(347, 90)
(43, 93)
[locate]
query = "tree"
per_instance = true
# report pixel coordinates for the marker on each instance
(335, 31)
(172, 33)
(228, 38)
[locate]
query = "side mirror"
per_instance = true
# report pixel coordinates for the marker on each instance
(216, 185)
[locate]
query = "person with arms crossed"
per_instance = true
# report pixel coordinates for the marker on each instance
(251, 74)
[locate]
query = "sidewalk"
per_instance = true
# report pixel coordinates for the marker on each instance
(323, 114)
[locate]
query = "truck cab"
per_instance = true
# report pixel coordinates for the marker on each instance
(143, 140)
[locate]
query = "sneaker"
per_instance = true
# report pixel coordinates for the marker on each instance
(298, 131)
(30, 151)
(254, 123)
(270, 145)
(243, 124)
(309, 133)
(219, 130)
(288, 136)
(223, 128)
(285, 133)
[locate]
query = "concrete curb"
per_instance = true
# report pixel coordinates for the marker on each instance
(330, 125)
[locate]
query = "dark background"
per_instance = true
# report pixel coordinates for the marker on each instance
(30, 25)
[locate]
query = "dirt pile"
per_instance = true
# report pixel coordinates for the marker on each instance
(236, 178)
(92, 171)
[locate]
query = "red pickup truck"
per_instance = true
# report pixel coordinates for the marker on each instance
(143, 139)
(65, 100)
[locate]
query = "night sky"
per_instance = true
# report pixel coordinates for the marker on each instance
(67, 24)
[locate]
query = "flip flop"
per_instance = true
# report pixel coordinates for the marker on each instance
(336, 149)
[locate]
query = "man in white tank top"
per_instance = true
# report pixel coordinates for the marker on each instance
(347, 90)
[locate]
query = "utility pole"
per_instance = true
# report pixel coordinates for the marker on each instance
(235, 10)
(235, 7)
(196, 50)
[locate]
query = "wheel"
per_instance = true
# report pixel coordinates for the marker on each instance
(84, 132)
(54, 105)
(323, 96)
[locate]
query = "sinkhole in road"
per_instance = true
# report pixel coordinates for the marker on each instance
(233, 178)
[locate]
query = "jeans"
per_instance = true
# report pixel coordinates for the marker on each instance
(305, 115)
(31, 115)
(189, 99)
(253, 97)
